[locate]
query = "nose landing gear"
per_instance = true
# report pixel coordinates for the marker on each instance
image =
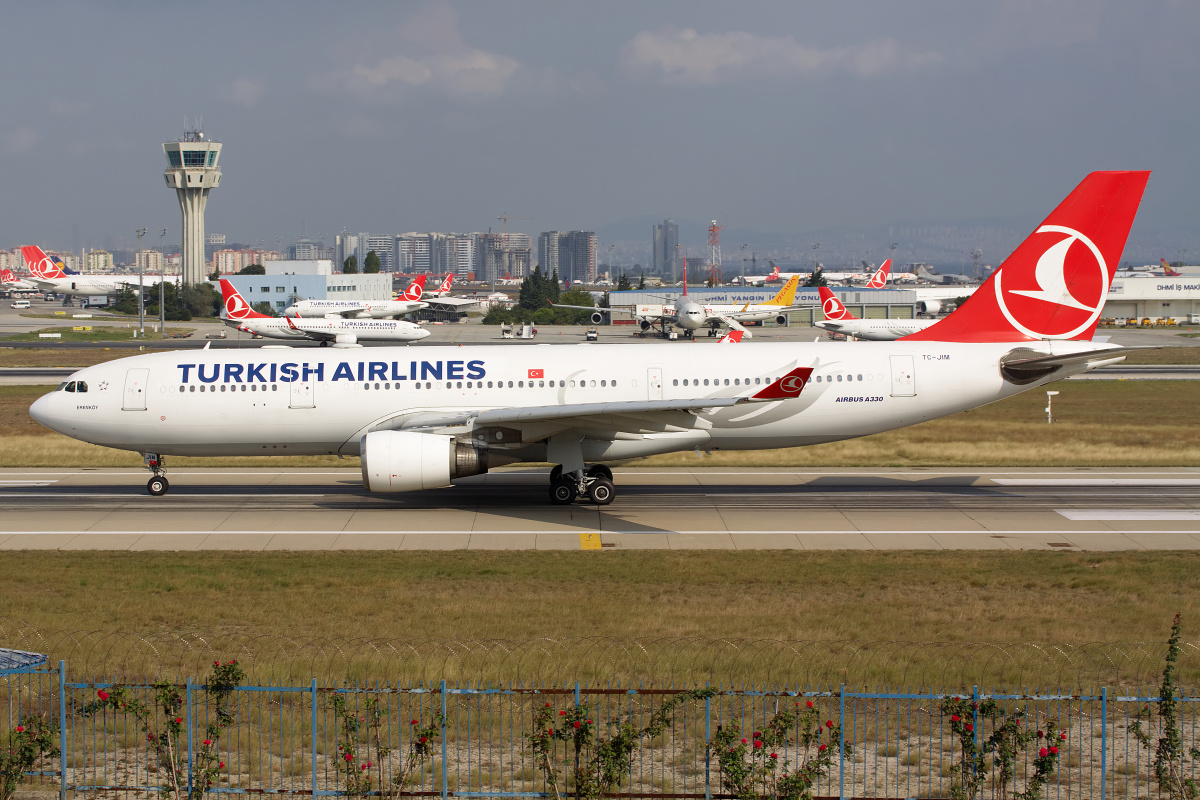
(595, 483)
(157, 485)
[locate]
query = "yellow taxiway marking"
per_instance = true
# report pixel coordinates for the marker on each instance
(589, 541)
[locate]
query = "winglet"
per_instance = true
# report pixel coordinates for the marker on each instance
(786, 388)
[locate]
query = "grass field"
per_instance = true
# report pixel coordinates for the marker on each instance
(98, 333)
(1100, 423)
(296, 615)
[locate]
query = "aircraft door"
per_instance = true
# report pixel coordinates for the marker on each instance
(302, 394)
(135, 389)
(654, 383)
(904, 381)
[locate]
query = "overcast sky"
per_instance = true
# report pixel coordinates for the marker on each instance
(775, 115)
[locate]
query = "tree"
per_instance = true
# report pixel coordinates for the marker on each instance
(553, 287)
(623, 284)
(264, 307)
(350, 265)
(534, 291)
(214, 275)
(816, 278)
(253, 269)
(371, 262)
(642, 281)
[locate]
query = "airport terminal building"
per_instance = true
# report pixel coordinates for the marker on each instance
(1155, 297)
(288, 281)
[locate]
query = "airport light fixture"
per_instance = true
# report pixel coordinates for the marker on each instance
(141, 262)
(1049, 406)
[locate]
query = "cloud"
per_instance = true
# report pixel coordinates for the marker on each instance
(428, 52)
(245, 92)
(19, 140)
(687, 58)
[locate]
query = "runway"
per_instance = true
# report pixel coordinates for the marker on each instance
(656, 508)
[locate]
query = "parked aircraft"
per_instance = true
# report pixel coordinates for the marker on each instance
(362, 309)
(332, 329)
(12, 283)
(47, 274)
(444, 288)
(839, 320)
(422, 418)
(760, 280)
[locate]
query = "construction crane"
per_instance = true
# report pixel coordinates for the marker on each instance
(505, 218)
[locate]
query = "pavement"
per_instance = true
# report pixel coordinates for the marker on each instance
(656, 508)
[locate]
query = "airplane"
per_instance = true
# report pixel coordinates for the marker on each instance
(880, 277)
(692, 316)
(423, 421)
(47, 274)
(12, 283)
(839, 320)
(760, 280)
(362, 309)
(327, 330)
(444, 289)
(1168, 270)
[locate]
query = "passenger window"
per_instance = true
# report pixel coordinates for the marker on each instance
(223, 387)
(191, 388)
(860, 377)
(243, 387)
(612, 384)
(706, 381)
(675, 382)
(541, 384)
(756, 381)
(274, 387)
(593, 384)
(737, 382)
(604, 383)
(839, 378)
(727, 381)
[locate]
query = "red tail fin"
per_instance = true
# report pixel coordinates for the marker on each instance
(1168, 270)
(445, 287)
(6, 276)
(1055, 283)
(880, 278)
(236, 306)
(415, 289)
(833, 307)
(40, 265)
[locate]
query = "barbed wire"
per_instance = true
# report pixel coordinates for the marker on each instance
(595, 660)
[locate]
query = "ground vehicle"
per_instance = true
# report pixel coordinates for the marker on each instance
(217, 335)
(592, 335)
(20, 304)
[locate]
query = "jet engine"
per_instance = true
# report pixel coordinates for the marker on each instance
(929, 306)
(597, 318)
(345, 339)
(407, 461)
(781, 320)
(645, 325)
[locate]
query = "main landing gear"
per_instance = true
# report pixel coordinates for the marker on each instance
(158, 484)
(596, 483)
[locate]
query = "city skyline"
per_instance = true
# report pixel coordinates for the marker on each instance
(774, 118)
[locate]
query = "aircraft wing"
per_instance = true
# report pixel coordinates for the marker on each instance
(1029, 365)
(626, 417)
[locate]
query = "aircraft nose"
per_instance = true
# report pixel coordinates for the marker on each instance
(40, 409)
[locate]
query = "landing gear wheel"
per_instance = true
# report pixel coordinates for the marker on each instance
(157, 486)
(601, 491)
(563, 491)
(555, 472)
(599, 471)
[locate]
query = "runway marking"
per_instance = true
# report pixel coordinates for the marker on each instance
(1130, 514)
(1021, 532)
(589, 541)
(136, 495)
(1097, 481)
(26, 483)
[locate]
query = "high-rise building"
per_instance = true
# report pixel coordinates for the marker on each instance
(499, 255)
(149, 261)
(572, 254)
(548, 244)
(192, 172)
(99, 261)
(666, 250)
(384, 247)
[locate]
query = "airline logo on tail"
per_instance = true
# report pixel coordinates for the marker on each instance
(1169, 271)
(733, 337)
(833, 307)
(415, 289)
(6, 276)
(445, 287)
(41, 265)
(236, 306)
(786, 295)
(880, 278)
(1055, 283)
(774, 276)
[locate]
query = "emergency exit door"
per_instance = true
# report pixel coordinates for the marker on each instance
(654, 383)
(135, 389)
(904, 380)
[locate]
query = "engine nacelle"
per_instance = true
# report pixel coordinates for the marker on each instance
(929, 306)
(645, 325)
(597, 318)
(781, 320)
(345, 338)
(406, 461)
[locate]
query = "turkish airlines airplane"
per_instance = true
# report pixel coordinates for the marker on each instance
(327, 330)
(362, 309)
(48, 276)
(422, 418)
(838, 319)
(11, 282)
(444, 288)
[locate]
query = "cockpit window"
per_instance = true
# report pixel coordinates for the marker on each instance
(70, 387)
(80, 386)
(61, 386)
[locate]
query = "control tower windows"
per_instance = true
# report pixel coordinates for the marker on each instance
(212, 158)
(174, 159)
(194, 158)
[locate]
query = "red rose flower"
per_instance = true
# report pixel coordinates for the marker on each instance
(366, 763)
(757, 744)
(955, 718)
(550, 732)
(1054, 750)
(744, 741)
(216, 663)
(349, 756)
(828, 723)
(969, 727)
(1042, 752)
(774, 755)
(758, 734)
(179, 720)
(221, 764)
(1041, 734)
(1062, 737)
(576, 723)
(822, 747)
(810, 703)
(103, 695)
(589, 722)
(20, 729)
(547, 705)
(562, 713)
(207, 742)
(414, 722)
(424, 739)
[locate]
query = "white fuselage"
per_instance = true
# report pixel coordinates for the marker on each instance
(875, 330)
(363, 309)
(278, 402)
(85, 285)
(333, 329)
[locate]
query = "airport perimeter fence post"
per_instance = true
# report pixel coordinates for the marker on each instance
(975, 715)
(190, 723)
(707, 747)
(314, 737)
(1103, 741)
(842, 744)
(62, 730)
(445, 776)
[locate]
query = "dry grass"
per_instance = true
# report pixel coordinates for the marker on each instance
(1100, 424)
(98, 333)
(59, 356)
(863, 597)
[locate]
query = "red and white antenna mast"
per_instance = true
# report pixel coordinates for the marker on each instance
(714, 252)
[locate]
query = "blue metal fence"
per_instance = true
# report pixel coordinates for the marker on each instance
(285, 740)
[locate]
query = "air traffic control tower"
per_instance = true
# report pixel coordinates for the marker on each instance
(192, 171)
